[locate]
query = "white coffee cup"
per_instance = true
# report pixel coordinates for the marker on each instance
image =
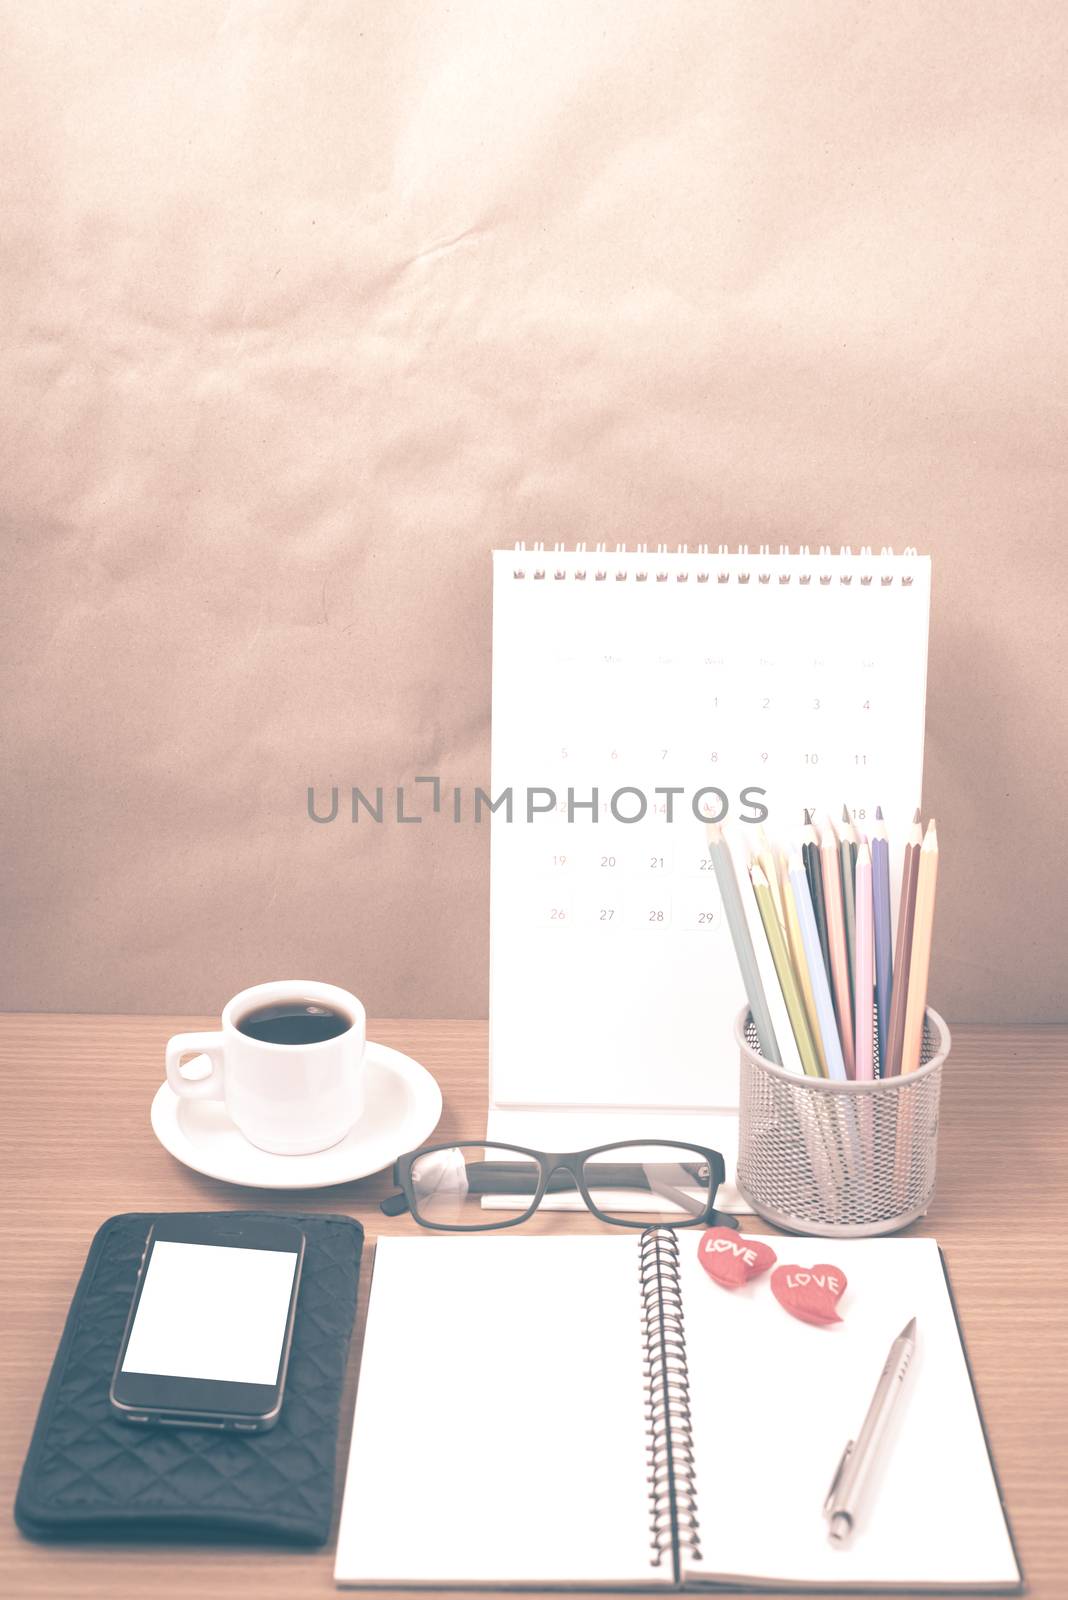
(290, 1099)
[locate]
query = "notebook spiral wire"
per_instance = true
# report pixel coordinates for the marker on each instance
(669, 1429)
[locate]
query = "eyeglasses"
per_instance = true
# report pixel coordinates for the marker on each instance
(632, 1184)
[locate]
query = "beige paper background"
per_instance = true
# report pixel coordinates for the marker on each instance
(307, 306)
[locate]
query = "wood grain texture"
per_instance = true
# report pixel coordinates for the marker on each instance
(76, 1147)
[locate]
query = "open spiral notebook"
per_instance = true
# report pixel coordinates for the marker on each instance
(595, 1411)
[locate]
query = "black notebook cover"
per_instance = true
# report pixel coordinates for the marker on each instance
(89, 1475)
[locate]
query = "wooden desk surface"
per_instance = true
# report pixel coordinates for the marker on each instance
(77, 1147)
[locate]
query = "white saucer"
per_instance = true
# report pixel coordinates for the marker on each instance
(402, 1109)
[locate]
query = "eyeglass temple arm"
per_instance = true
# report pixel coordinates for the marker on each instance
(677, 1196)
(491, 1177)
(687, 1202)
(506, 1177)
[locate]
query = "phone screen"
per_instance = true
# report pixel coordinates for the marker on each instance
(212, 1311)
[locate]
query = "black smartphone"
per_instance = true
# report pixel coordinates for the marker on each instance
(208, 1336)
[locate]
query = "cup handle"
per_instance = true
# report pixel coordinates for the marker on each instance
(201, 1044)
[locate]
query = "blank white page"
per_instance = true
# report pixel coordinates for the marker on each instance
(774, 1401)
(800, 678)
(499, 1428)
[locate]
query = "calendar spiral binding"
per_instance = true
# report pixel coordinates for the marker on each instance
(673, 1526)
(603, 555)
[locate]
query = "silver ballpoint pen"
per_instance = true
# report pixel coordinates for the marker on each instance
(844, 1496)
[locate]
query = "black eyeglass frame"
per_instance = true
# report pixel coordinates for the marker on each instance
(550, 1164)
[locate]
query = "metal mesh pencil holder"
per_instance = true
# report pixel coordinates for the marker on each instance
(841, 1159)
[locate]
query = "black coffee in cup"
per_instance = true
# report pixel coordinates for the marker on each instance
(294, 1022)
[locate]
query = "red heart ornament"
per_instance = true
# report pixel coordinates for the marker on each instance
(731, 1260)
(810, 1293)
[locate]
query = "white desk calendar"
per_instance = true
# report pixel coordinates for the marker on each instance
(635, 694)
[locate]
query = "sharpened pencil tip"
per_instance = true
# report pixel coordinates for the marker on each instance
(909, 1330)
(845, 814)
(808, 819)
(878, 813)
(916, 815)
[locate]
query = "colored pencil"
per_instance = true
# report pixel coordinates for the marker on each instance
(832, 894)
(797, 953)
(863, 974)
(780, 1020)
(765, 854)
(884, 968)
(919, 966)
(723, 866)
(810, 855)
(847, 852)
(791, 993)
(903, 950)
(828, 1028)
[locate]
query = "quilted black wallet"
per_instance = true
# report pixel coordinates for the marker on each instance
(88, 1475)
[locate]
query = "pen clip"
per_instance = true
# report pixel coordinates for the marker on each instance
(836, 1480)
